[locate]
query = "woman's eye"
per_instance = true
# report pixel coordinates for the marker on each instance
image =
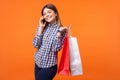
(49, 12)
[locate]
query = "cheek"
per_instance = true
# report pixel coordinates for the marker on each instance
(54, 15)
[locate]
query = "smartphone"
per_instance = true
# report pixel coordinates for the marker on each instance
(43, 20)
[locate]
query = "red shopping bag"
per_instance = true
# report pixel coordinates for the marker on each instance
(64, 68)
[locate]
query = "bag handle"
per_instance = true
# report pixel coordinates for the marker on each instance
(69, 31)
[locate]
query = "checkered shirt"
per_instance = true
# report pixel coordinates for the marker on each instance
(48, 45)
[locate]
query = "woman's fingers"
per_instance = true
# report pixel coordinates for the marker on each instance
(69, 26)
(66, 27)
(41, 23)
(41, 18)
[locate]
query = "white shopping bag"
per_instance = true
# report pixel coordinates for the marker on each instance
(75, 59)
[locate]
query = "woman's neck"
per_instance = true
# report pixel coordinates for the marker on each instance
(53, 22)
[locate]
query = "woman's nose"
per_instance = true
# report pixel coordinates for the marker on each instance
(46, 15)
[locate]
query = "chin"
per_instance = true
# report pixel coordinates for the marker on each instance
(49, 21)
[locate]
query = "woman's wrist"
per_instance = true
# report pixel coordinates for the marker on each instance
(40, 29)
(59, 31)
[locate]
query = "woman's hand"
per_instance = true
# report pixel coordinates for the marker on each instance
(41, 23)
(62, 29)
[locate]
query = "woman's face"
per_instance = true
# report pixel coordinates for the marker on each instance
(49, 15)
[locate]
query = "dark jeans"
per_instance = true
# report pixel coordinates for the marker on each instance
(45, 73)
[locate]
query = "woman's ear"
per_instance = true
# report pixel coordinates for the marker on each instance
(55, 14)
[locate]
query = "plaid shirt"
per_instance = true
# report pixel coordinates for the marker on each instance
(48, 45)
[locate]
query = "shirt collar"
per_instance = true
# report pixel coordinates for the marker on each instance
(52, 25)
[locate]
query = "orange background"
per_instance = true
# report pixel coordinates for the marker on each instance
(95, 23)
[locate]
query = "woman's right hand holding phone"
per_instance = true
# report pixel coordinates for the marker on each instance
(41, 25)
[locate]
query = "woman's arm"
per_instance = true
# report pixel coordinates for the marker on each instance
(37, 41)
(59, 40)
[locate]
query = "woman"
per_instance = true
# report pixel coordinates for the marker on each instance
(48, 41)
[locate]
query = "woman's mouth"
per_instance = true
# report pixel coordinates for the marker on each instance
(48, 18)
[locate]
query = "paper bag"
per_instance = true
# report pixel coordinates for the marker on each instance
(64, 67)
(75, 59)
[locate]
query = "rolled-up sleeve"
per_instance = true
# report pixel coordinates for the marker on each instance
(37, 41)
(58, 42)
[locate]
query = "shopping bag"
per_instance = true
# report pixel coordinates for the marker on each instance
(75, 59)
(64, 66)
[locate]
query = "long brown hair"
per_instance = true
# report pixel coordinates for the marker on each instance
(51, 6)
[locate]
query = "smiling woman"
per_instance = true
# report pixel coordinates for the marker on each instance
(49, 15)
(48, 41)
(95, 23)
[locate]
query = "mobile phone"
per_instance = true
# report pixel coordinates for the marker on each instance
(43, 20)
